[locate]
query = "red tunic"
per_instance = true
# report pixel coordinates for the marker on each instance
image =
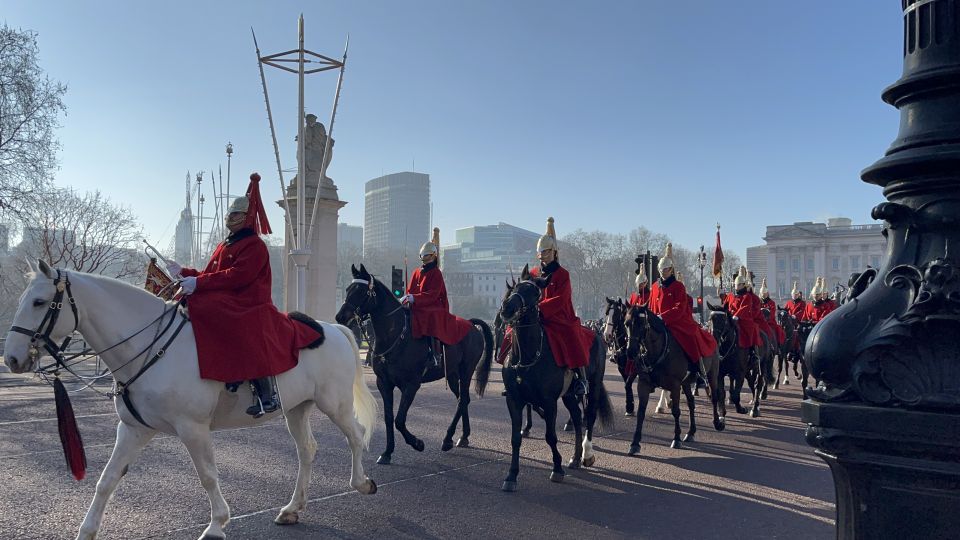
(431, 310)
(240, 334)
(772, 319)
(639, 298)
(745, 307)
(672, 304)
(796, 308)
(569, 340)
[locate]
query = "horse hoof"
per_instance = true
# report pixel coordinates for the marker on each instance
(556, 477)
(509, 485)
(287, 518)
(628, 413)
(776, 386)
(676, 444)
(525, 433)
(417, 445)
(568, 427)
(755, 413)
(589, 461)
(212, 537)
(741, 410)
(634, 450)
(786, 381)
(573, 463)
(661, 410)
(719, 424)
(688, 437)
(463, 442)
(447, 445)
(763, 395)
(368, 488)
(384, 459)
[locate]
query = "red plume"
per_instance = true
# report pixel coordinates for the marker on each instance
(256, 214)
(69, 433)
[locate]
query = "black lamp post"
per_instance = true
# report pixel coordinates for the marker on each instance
(701, 262)
(886, 414)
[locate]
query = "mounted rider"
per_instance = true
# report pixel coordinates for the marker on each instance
(429, 307)
(569, 340)
(642, 294)
(669, 301)
(745, 307)
(771, 306)
(817, 309)
(239, 332)
(797, 305)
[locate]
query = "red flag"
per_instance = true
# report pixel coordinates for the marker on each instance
(717, 257)
(157, 281)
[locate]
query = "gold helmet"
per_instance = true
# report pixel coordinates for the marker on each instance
(667, 260)
(815, 291)
(796, 291)
(433, 246)
(764, 292)
(549, 238)
(741, 280)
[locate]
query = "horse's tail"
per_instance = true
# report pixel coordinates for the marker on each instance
(604, 408)
(364, 405)
(482, 374)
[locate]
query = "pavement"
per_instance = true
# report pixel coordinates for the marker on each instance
(757, 479)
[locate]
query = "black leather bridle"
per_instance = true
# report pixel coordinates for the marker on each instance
(42, 334)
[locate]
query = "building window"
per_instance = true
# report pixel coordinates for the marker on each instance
(836, 264)
(875, 261)
(854, 263)
(781, 265)
(809, 264)
(795, 264)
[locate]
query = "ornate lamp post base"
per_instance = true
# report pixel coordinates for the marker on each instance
(896, 471)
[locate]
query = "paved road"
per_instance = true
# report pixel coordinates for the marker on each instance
(758, 479)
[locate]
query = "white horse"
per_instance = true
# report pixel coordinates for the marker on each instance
(173, 399)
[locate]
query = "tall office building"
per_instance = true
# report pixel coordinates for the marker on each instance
(349, 237)
(396, 217)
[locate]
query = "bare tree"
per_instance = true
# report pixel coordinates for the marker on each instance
(83, 232)
(30, 104)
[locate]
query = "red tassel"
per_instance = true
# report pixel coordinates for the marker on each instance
(69, 434)
(256, 213)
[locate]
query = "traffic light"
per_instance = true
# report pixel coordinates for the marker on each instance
(699, 302)
(396, 280)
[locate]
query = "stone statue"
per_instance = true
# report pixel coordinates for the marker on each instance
(314, 143)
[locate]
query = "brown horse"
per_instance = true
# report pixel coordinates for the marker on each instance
(662, 363)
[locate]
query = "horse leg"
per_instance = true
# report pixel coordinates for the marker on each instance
(516, 418)
(343, 417)
(643, 397)
(675, 410)
(550, 416)
(130, 441)
(628, 388)
(776, 385)
(735, 390)
(719, 410)
(526, 428)
(196, 437)
(758, 388)
(454, 385)
(573, 405)
(691, 378)
(298, 424)
(406, 399)
(386, 394)
(662, 404)
(589, 419)
(464, 440)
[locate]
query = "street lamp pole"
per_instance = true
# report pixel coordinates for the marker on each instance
(701, 262)
(229, 155)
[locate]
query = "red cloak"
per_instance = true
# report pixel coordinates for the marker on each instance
(796, 308)
(672, 304)
(569, 340)
(772, 319)
(745, 307)
(639, 298)
(240, 334)
(431, 310)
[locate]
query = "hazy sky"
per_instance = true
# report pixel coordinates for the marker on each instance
(607, 115)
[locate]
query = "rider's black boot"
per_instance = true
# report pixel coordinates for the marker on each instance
(264, 400)
(580, 382)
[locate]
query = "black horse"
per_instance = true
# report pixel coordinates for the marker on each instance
(662, 363)
(402, 361)
(803, 332)
(615, 337)
(735, 361)
(531, 375)
(785, 354)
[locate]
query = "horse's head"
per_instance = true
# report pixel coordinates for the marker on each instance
(363, 295)
(524, 297)
(783, 316)
(498, 320)
(613, 320)
(720, 322)
(637, 323)
(40, 320)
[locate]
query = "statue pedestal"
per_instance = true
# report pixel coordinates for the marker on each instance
(321, 279)
(896, 471)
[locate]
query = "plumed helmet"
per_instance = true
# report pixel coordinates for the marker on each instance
(549, 238)
(815, 291)
(240, 204)
(741, 280)
(433, 246)
(796, 290)
(667, 260)
(641, 279)
(763, 289)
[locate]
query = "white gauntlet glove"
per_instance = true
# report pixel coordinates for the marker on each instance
(174, 268)
(189, 285)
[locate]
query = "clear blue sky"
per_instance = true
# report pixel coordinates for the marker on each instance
(607, 115)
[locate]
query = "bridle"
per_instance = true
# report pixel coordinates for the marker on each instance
(371, 296)
(729, 327)
(645, 366)
(513, 324)
(49, 322)
(618, 345)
